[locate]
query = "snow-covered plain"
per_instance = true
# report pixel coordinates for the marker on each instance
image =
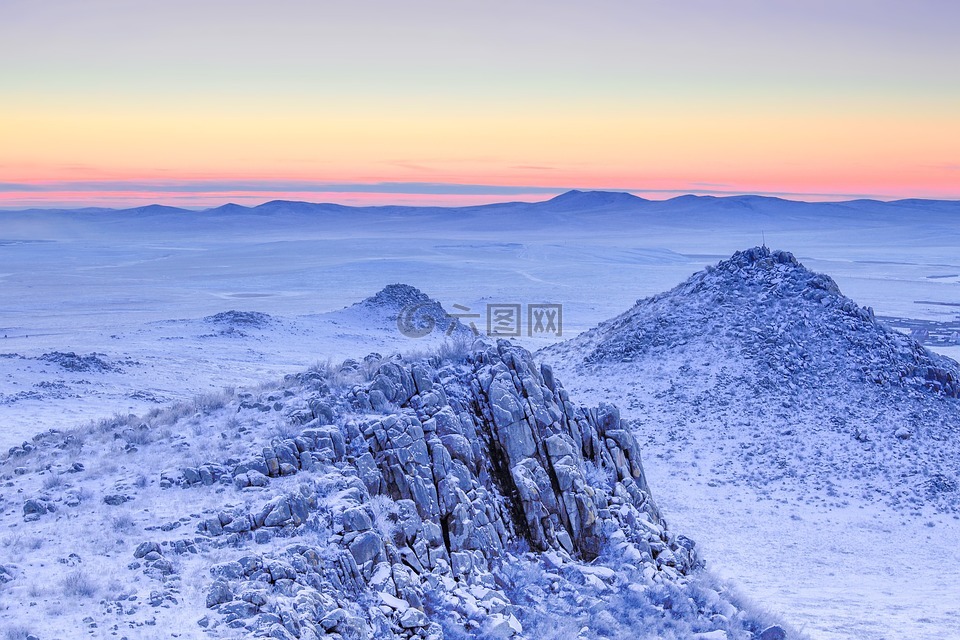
(141, 289)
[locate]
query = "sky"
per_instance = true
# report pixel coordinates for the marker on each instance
(200, 102)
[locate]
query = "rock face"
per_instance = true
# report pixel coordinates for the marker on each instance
(434, 497)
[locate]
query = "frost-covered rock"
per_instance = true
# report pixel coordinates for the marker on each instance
(475, 498)
(432, 500)
(774, 632)
(36, 507)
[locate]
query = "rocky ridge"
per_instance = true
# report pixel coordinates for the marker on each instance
(421, 499)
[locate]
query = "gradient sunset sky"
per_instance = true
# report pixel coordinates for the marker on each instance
(201, 102)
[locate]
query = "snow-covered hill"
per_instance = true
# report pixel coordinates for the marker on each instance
(386, 498)
(137, 370)
(787, 426)
(813, 390)
(406, 311)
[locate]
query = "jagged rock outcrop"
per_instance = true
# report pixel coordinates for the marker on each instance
(428, 508)
(429, 499)
(474, 463)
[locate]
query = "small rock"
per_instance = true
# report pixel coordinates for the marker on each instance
(356, 519)
(413, 618)
(367, 546)
(775, 632)
(219, 593)
(146, 547)
(333, 619)
(33, 509)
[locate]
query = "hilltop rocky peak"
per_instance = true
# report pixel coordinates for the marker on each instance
(767, 307)
(397, 296)
(762, 266)
(807, 386)
(415, 313)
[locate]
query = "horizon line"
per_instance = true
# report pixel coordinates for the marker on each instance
(263, 192)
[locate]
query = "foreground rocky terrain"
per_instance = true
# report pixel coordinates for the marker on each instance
(454, 497)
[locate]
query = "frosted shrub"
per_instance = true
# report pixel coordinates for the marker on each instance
(52, 482)
(122, 523)
(16, 633)
(597, 477)
(79, 584)
(107, 425)
(139, 435)
(455, 349)
(384, 516)
(287, 430)
(209, 402)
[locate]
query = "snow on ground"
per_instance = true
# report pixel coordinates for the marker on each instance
(135, 291)
(136, 287)
(836, 565)
(864, 572)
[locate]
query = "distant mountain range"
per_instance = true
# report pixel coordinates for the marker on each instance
(570, 201)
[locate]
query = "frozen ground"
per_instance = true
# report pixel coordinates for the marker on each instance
(136, 288)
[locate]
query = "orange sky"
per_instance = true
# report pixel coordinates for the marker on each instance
(200, 107)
